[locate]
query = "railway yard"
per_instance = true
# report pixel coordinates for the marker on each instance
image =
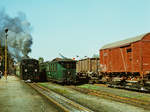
(78, 63)
(16, 95)
(94, 84)
(86, 85)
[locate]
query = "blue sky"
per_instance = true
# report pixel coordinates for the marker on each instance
(80, 27)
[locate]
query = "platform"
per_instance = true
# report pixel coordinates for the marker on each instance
(17, 96)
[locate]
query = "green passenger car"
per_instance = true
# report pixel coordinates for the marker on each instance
(61, 71)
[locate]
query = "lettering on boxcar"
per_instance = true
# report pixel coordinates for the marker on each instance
(105, 54)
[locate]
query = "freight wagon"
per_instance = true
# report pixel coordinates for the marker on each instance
(88, 70)
(127, 60)
(61, 71)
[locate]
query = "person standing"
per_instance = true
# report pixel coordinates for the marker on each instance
(0, 74)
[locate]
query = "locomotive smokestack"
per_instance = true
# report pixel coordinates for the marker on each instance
(6, 30)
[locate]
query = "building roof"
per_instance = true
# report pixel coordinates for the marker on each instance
(61, 59)
(124, 42)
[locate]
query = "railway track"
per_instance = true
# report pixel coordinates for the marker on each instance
(61, 101)
(106, 95)
(136, 89)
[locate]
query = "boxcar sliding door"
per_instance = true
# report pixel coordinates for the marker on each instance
(145, 56)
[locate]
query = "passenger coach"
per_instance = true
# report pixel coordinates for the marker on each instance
(61, 70)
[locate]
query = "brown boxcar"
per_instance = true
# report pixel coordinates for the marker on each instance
(88, 69)
(130, 58)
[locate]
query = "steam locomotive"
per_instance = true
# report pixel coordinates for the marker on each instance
(28, 69)
(57, 70)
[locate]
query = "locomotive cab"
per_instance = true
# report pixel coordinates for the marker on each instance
(29, 69)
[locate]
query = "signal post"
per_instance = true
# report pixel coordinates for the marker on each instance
(6, 30)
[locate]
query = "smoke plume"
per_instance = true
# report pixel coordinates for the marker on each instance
(19, 34)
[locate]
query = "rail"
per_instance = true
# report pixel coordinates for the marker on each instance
(61, 101)
(107, 95)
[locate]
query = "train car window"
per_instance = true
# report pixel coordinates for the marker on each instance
(74, 65)
(68, 65)
(53, 67)
(129, 50)
(49, 67)
(56, 67)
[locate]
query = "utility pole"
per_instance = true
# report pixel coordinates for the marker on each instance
(6, 30)
(1, 55)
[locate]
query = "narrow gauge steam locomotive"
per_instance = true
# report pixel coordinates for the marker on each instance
(28, 69)
(127, 62)
(60, 70)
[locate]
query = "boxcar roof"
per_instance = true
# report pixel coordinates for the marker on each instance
(88, 58)
(124, 42)
(28, 59)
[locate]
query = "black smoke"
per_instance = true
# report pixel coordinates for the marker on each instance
(19, 34)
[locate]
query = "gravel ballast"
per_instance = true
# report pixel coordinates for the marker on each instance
(96, 104)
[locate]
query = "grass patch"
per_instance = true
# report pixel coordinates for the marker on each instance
(88, 86)
(55, 88)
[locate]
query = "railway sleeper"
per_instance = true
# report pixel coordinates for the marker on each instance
(130, 86)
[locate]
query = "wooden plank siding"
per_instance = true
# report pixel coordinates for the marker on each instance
(88, 65)
(146, 56)
(131, 57)
(136, 62)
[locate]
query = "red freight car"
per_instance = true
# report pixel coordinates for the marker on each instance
(127, 60)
